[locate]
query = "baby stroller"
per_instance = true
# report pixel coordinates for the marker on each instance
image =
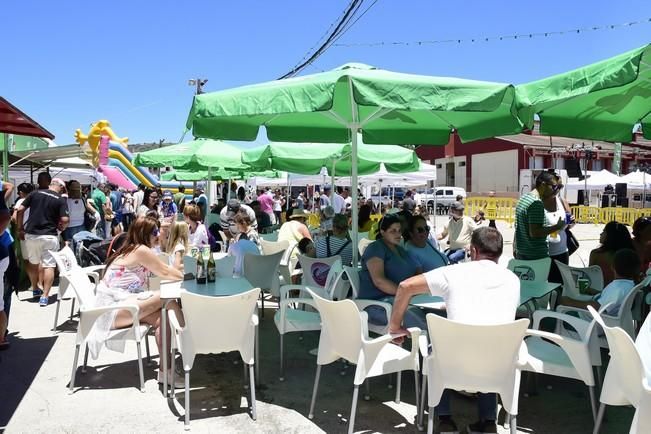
(86, 249)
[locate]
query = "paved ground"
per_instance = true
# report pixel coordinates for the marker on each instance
(34, 374)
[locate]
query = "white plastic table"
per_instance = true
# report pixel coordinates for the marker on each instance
(169, 291)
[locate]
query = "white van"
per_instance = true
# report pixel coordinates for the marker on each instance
(441, 197)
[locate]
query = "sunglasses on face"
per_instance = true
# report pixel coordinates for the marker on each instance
(422, 229)
(153, 197)
(155, 233)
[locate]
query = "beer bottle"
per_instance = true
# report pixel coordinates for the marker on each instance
(212, 271)
(201, 268)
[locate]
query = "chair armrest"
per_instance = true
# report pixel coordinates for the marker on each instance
(94, 276)
(423, 344)
(285, 290)
(174, 321)
(93, 268)
(88, 316)
(255, 320)
(577, 351)
(579, 324)
(415, 333)
(583, 313)
(302, 300)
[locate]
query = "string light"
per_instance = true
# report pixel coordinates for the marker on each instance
(496, 38)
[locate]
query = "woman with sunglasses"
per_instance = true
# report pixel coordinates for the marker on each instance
(125, 281)
(385, 263)
(614, 237)
(555, 209)
(149, 202)
(421, 246)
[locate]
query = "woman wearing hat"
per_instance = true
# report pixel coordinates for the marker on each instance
(295, 229)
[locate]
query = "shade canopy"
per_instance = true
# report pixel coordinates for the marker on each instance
(637, 179)
(596, 181)
(197, 154)
(388, 107)
(14, 121)
(310, 158)
(602, 101)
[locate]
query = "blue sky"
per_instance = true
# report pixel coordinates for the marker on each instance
(129, 61)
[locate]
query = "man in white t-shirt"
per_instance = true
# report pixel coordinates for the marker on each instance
(338, 202)
(479, 292)
(459, 229)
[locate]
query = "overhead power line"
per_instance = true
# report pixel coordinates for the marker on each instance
(346, 21)
(518, 36)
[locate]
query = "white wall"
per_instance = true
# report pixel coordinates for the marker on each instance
(497, 171)
(459, 172)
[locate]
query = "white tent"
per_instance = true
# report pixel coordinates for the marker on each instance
(637, 179)
(596, 181)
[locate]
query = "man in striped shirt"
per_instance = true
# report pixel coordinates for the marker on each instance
(530, 240)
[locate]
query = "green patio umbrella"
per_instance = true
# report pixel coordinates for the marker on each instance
(310, 158)
(333, 107)
(194, 155)
(602, 101)
(218, 175)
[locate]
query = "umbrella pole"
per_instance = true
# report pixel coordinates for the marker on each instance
(332, 184)
(229, 189)
(209, 188)
(353, 181)
(644, 188)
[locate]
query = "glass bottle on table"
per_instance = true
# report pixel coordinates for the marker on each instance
(212, 271)
(201, 268)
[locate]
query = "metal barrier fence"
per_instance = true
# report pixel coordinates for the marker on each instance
(495, 208)
(592, 214)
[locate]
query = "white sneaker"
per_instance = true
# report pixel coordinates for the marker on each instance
(179, 380)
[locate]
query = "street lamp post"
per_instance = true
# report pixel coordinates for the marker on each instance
(199, 83)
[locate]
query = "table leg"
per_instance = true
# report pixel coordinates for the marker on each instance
(164, 338)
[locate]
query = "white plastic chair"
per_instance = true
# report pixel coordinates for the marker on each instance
(623, 319)
(67, 262)
(288, 264)
(88, 314)
(204, 315)
(224, 266)
(189, 264)
(272, 236)
(626, 382)
(475, 358)
(570, 275)
(271, 247)
(307, 264)
(536, 270)
(292, 314)
(362, 244)
(262, 272)
(353, 279)
(563, 356)
(344, 335)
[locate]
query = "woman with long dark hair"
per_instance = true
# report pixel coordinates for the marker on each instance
(149, 202)
(364, 221)
(614, 237)
(125, 278)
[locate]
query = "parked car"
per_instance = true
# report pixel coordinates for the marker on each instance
(441, 196)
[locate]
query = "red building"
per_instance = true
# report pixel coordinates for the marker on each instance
(495, 163)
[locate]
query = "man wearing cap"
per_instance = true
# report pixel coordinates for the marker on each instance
(168, 207)
(227, 217)
(459, 232)
(48, 216)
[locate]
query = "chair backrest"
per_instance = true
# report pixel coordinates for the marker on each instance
(66, 260)
(625, 374)
(271, 247)
(360, 235)
(341, 330)
(569, 282)
(353, 278)
(272, 236)
(624, 317)
(262, 271)
(217, 324)
(224, 266)
(536, 270)
(593, 274)
(362, 244)
(316, 270)
(479, 358)
(189, 264)
(77, 278)
(331, 279)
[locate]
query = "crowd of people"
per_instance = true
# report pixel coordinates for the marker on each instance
(401, 259)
